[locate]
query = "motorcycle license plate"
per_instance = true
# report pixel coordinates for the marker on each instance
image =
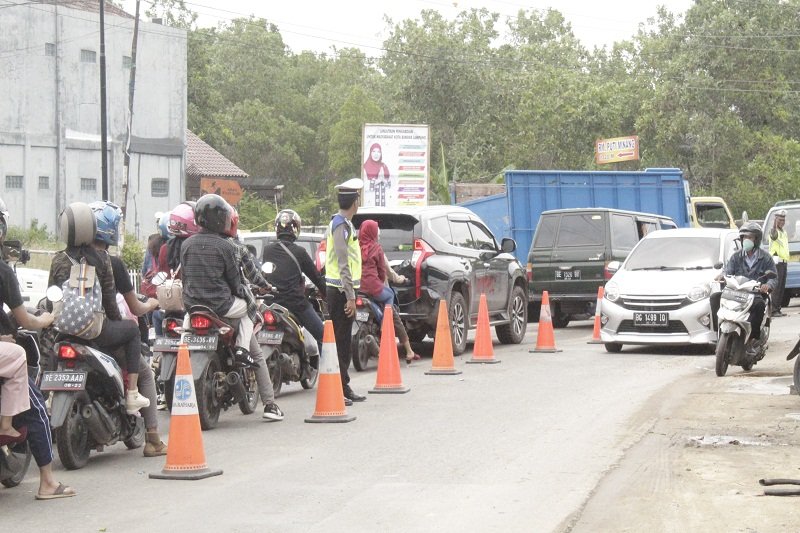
(362, 316)
(269, 337)
(63, 381)
(200, 342)
(166, 344)
(651, 319)
(737, 296)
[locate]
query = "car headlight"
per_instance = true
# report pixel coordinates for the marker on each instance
(698, 293)
(612, 292)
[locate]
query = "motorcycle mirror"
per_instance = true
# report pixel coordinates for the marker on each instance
(54, 293)
(159, 279)
(268, 268)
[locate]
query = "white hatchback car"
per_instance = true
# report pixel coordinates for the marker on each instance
(660, 294)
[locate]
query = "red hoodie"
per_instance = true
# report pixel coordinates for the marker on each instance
(373, 268)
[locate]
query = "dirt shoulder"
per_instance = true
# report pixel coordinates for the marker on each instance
(711, 440)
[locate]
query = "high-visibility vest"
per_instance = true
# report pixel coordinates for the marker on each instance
(333, 277)
(780, 246)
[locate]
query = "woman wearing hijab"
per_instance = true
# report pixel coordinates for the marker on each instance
(375, 168)
(374, 271)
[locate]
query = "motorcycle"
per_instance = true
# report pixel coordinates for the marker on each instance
(735, 346)
(366, 332)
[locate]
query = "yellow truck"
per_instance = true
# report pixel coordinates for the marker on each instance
(710, 212)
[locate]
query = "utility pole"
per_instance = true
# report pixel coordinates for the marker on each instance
(131, 86)
(103, 111)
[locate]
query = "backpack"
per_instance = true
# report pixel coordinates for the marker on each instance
(80, 311)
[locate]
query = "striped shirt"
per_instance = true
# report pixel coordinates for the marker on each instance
(210, 272)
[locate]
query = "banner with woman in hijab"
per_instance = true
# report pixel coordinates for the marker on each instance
(395, 169)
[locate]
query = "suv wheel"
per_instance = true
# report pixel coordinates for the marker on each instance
(458, 322)
(514, 331)
(560, 320)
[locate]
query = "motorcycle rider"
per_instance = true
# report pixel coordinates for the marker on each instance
(291, 262)
(108, 218)
(753, 262)
(211, 277)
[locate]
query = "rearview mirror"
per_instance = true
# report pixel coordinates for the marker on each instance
(508, 246)
(54, 293)
(268, 268)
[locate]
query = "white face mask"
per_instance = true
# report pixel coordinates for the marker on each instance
(748, 245)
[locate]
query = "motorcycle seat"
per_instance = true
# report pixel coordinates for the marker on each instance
(232, 322)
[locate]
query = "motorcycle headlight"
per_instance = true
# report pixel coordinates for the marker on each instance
(612, 292)
(698, 293)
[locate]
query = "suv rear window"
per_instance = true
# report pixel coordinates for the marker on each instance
(584, 229)
(546, 232)
(397, 231)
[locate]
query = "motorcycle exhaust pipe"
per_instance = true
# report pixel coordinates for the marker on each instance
(372, 345)
(235, 386)
(96, 422)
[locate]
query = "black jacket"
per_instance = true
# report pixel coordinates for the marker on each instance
(286, 277)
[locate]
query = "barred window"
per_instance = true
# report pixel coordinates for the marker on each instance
(88, 184)
(159, 187)
(88, 56)
(44, 182)
(50, 49)
(14, 182)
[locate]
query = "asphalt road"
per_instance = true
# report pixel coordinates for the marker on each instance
(516, 446)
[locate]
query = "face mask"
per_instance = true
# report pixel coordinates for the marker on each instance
(748, 245)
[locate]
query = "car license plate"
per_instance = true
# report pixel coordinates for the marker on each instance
(63, 381)
(200, 342)
(568, 275)
(269, 337)
(651, 319)
(166, 344)
(362, 316)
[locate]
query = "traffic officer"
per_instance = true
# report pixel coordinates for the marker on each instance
(343, 277)
(779, 250)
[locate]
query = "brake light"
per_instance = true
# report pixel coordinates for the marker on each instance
(65, 351)
(359, 302)
(607, 274)
(321, 254)
(269, 317)
(529, 272)
(171, 325)
(422, 251)
(200, 323)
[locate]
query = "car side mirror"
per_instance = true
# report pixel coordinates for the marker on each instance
(268, 268)
(717, 266)
(508, 246)
(613, 266)
(54, 293)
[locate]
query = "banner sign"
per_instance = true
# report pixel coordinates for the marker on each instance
(616, 149)
(395, 168)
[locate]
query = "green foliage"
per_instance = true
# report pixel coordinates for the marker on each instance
(173, 12)
(256, 214)
(344, 149)
(34, 236)
(132, 253)
(440, 187)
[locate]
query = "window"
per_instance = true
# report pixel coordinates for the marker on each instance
(126, 62)
(50, 49)
(483, 239)
(441, 228)
(623, 232)
(546, 232)
(44, 182)
(88, 56)
(585, 229)
(14, 182)
(461, 235)
(88, 184)
(159, 187)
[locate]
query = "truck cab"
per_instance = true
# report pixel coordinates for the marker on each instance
(710, 212)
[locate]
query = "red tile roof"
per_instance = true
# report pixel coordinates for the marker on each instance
(202, 161)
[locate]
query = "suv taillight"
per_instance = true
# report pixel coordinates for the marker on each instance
(321, 254)
(607, 274)
(422, 251)
(529, 272)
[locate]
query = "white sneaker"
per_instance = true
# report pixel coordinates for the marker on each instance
(135, 401)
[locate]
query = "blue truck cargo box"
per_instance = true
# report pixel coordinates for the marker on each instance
(494, 211)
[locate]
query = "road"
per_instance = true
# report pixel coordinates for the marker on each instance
(516, 446)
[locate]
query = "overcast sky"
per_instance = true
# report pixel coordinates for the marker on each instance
(319, 24)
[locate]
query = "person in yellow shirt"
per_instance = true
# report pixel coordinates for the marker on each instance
(779, 250)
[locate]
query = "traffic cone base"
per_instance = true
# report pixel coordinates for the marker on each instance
(330, 406)
(545, 338)
(443, 362)
(596, 331)
(482, 349)
(388, 379)
(186, 458)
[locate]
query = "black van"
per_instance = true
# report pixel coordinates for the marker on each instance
(571, 252)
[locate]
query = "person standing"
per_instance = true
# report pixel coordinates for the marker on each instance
(779, 250)
(343, 277)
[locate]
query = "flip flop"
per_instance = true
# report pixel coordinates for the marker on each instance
(62, 491)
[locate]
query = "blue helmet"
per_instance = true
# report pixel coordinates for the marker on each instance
(108, 216)
(163, 225)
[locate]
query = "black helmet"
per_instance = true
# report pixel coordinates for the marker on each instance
(3, 220)
(77, 225)
(287, 223)
(751, 228)
(213, 213)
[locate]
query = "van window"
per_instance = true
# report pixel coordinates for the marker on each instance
(791, 226)
(584, 229)
(623, 232)
(483, 239)
(644, 227)
(461, 235)
(546, 232)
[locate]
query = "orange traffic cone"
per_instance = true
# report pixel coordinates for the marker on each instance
(483, 351)
(388, 380)
(185, 456)
(596, 332)
(330, 399)
(545, 339)
(443, 361)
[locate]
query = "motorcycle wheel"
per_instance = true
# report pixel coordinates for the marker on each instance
(275, 376)
(358, 350)
(309, 383)
(208, 406)
(747, 367)
(724, 345)
(19, 455)
(72, 437)
(136, 440)
(248, 405)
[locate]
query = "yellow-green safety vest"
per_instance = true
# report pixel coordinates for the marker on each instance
(332, 275)
(780, 246)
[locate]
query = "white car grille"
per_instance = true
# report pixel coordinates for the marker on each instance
(653, 303)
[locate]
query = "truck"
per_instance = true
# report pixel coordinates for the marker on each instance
(661, 191)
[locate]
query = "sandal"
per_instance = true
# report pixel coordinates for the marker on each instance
(414, 357)
(7, 440)
(62, 491)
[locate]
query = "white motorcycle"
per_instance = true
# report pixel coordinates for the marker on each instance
(735, 345)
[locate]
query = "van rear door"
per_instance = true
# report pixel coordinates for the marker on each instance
(579, 253)
(540, 267)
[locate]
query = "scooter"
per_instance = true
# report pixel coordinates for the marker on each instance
(366, 333)
(735, 346)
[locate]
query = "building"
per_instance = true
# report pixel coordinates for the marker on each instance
(50, 142)
(208, 171)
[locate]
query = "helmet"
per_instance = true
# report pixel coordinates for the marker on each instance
(287, 223)
(163, 225)
(3, 220)
(107, 218)
(77, 225)
(181, 220)
(233, 229)
(751, 228)
(213, 213)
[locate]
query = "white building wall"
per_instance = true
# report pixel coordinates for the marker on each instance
(50, 113)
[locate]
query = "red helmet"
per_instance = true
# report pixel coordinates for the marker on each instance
(233, 228)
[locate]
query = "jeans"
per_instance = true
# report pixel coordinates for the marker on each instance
(343, 331)
(263, 381)
(310, 320)
(387, 297)
(122, 333)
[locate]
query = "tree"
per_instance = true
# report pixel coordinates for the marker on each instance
(173, 12)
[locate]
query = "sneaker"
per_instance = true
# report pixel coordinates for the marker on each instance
(347, 402)
(135, 401)
(273, 412)
(244, 358)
